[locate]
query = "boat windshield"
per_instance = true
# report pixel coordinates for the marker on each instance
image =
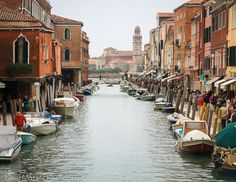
(195, 125)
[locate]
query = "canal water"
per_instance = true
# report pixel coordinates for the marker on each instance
(114, 138)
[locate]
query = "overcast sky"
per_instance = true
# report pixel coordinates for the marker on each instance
(111, 23)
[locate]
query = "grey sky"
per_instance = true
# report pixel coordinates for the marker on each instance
(110, 23)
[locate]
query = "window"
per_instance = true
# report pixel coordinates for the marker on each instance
(207, 35)
(67, 34)
(21, 50)
(207, 64)
(67, 54)
(232, 56)
(234, 18)
(224, 19)
(45, 51)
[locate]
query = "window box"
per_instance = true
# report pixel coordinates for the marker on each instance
(19, 68)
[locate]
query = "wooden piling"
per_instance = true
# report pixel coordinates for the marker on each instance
(203, 108)
(178, 101)
(215, 122)
(184, 95)
(210, 120)
(206, 113)
(219, 123)
(194, 106)
(4, 113)
(12, 111)
(189, 104)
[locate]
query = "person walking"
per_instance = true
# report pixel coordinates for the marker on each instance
(19, 121)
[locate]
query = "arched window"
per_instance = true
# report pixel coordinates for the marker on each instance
(21, 50)
(67, 34)
(67, 54)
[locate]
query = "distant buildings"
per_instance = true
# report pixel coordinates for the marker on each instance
(126, 61)
(196, 39)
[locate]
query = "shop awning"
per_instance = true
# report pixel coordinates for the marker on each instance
(213, 80)
(160, 76)
(223, 85)
(175, 78)
(141, 74)
(165, 79)
(150, 72)
(2, 85)
(219, 82)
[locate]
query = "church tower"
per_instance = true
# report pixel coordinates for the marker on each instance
(137, 48)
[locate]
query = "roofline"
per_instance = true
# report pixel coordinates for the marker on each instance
(21, 28)
(188, 4)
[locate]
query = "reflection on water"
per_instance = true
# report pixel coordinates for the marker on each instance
(114, 137)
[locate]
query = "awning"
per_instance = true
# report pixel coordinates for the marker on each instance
(150, 72)
(223, 85)
(165, 79)
(217, 84)
(175, 78)
(160, 76)
(2, 85)
(141, 74)
(213, 80)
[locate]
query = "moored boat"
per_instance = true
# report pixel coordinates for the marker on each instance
(147, 97)
(26, 138)
(131, 91)
(65, 106)
(124, 88)
(172, 118)
(195, 138)
(10, 143)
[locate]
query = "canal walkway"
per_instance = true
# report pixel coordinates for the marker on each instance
(113, 138)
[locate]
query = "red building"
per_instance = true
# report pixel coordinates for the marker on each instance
(29, 54)
(219, 37)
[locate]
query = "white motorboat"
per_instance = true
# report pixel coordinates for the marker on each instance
(124, 88)
(160, 105)
(147, 97)
(65, 106)
(40, 125)
(26, 138)
(10, 143)
(172, 118)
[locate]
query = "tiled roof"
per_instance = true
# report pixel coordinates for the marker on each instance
(7, 14)
(65, 21)
(124, 53)
(190, 3)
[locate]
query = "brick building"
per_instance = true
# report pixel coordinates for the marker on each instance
(69, 34)
(85, 57)
(29, 54)
(183, 15)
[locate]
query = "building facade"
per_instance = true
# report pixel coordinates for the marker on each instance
(69, 33)
(31, 60)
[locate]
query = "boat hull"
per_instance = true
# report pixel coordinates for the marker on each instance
(45, 129)
(65, 111)
(198, 146)
(160, 105)
(124, 88)
(147, 98)
(27, 138)
(13, 153)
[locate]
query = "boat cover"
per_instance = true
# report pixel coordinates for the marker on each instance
(195, 135)
(8, 136)
(226, 138)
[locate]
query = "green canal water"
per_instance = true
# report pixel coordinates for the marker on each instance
(114, 138)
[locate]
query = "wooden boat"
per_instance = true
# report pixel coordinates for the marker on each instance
(26, 138)
(10, 143)
(179, 123)
(195, 138)
(65, 106)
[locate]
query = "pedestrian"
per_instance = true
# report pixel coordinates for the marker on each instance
(19, 121)
(26, 104)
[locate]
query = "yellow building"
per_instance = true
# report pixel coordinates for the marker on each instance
(231, 70)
